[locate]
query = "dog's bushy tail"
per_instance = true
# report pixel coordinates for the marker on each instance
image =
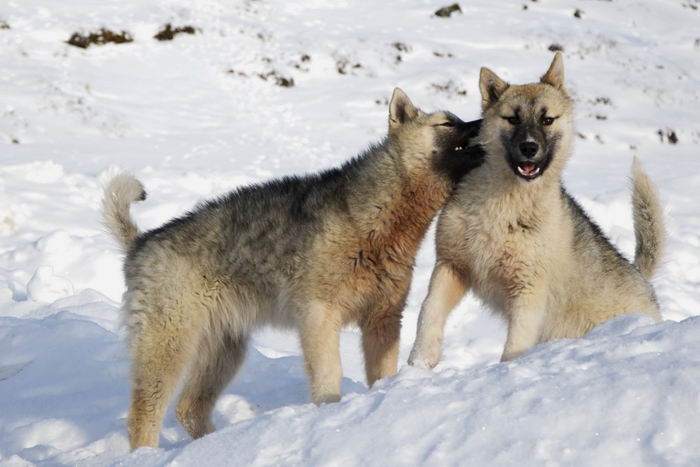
(120, 192)
(649, 231)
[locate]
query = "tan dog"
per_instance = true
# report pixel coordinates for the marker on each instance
(312, 253)
(514, 235)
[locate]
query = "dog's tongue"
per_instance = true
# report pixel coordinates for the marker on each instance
(528, 168)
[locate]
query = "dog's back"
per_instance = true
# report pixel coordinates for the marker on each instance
(313, 252)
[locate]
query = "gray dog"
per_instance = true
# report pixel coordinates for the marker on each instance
(313, 253)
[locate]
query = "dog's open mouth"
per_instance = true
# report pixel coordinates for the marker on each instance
(464, 149)
(473, 152)
(528, 170)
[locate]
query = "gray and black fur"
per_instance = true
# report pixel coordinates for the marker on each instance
(314, 253)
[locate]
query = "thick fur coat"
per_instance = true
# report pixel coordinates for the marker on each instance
(513, 235)
(312, 253)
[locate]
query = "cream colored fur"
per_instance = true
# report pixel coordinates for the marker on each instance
(524, 247)
(120, 192)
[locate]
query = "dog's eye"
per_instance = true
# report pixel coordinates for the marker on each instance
(447, 124)
(515, 120)
(546, 121)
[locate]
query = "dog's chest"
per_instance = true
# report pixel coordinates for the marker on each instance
(381, 267)
(361, 273)
(502, 246)
(382, 256)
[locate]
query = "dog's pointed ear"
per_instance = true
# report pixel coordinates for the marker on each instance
(491, 87)
(555, 74)
(401, 109)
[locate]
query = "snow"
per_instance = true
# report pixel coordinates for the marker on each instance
(192, 119)
(572, 391)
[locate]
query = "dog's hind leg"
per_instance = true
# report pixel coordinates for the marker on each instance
(526, 314)
(380, 342)
(218, 359)
(161, 348)
(320, 340)
(447, 287)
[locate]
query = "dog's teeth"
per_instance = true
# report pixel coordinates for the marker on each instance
(528, 174)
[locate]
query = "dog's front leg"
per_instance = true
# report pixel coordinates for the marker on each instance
(380, 342)
(525, 319)
(447, 287)
(320, 340)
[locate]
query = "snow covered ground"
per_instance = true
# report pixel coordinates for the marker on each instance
(266, 88)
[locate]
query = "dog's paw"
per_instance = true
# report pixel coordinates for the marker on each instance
(319, 398)
(424, 358)
(507, 355)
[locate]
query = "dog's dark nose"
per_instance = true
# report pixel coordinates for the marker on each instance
(528, 149)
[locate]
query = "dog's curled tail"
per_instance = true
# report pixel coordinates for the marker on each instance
(649, 231)
(120, 192)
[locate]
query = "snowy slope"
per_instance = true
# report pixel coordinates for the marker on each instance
(204, 113)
